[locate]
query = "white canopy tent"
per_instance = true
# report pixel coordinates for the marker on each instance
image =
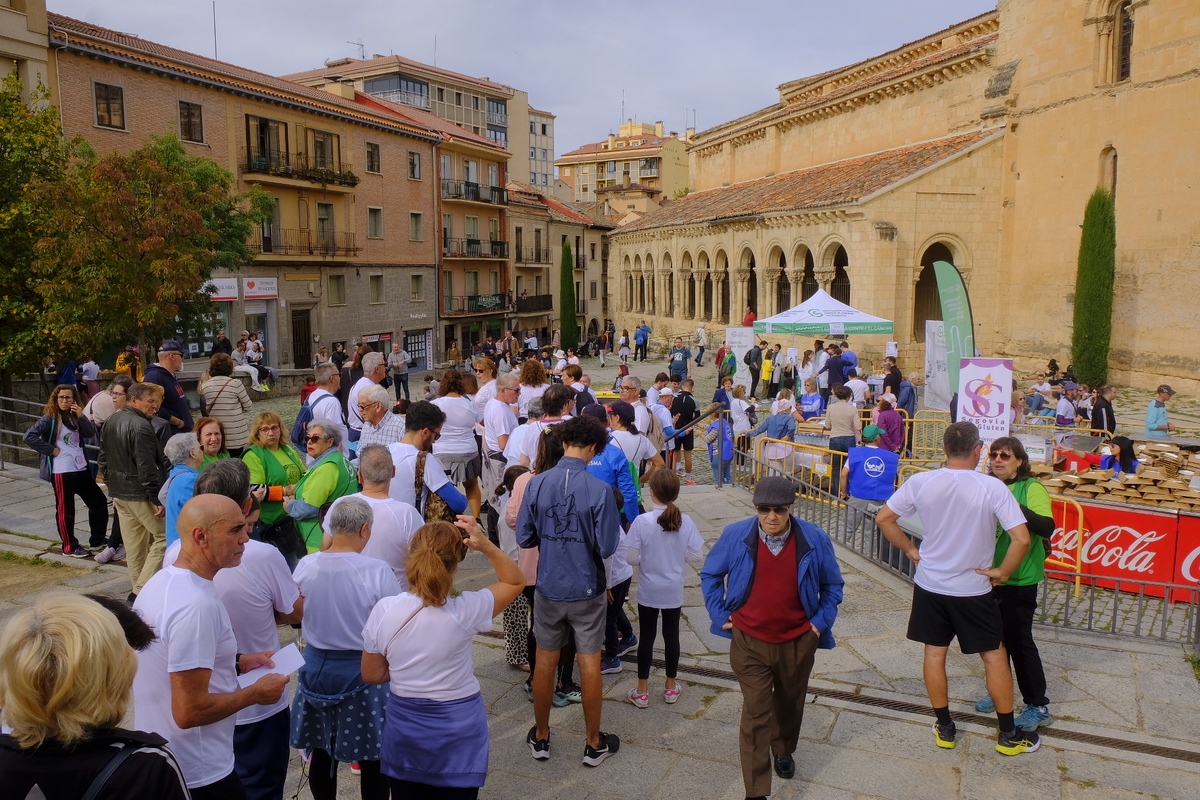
(821, 315)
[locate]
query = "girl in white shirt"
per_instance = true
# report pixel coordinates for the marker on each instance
(660, 543)
(456, 448)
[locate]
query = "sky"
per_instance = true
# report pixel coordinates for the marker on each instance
(593, 65)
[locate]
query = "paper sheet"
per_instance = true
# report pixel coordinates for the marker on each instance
(287, 661)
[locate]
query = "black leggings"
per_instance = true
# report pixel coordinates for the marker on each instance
(322, 778)
(408, 790)
(66, 486)
(648, 630)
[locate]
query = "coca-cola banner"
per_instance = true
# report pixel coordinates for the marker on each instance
(1120, 543)
(1187, 557)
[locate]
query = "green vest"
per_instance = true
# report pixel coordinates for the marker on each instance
(1032, 568)
(346, 484)
(276, 475)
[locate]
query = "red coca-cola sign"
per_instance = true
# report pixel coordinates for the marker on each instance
(1187, 558)
(1133, 546)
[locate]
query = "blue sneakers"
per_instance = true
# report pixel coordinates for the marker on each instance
(610, 666)
(627, 644)
(984, 705)
(1034, 717)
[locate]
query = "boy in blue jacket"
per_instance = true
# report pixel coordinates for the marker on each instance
(773, 585)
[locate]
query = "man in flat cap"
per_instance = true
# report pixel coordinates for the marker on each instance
(773, 585)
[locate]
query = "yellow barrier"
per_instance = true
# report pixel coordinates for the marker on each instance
(1070, 505)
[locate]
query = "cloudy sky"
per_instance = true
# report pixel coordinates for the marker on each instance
(714, 59)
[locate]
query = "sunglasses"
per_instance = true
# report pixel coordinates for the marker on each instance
(780, 510)
(1001, 456)
(314, 439)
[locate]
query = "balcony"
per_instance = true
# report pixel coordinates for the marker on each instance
(496, 118)
(474, 248)
(474, 192)
(532, 255)
(291, 242)
(413, 99)
(580, 261)
(475, 304)
(297, 166)
(533, 303)
(649, 172)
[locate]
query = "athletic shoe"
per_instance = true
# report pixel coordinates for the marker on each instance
(689, 482)
(559, 700)
(539, 747)
(529, 691)
(671, 695)
(984, 705)
(1033, 717)
(78, 551)
(355, 768)
(1013, 743)
(106, 555)
(944, 735)
(120, 554)
(96, 545)
(611, 666)
(639, 700)
(571, 692)
(627, 644)
(594, 756)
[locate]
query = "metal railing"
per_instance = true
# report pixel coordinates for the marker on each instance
(415, 99)
(298, 166)
(497, 118)
(536, 302)
(293, 242)
(474, 248)
(531, 255)
(469, 190)
(475, 304)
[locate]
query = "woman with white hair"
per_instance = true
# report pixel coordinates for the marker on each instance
(329, 478)
(337, 716)
(66, 675)
(185, 456)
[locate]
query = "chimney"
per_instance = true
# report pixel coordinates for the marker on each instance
(626, 181)
(612, 141)
(658, 129)
(345, 90)
(691, 134)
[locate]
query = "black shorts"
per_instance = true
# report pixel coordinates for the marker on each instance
(937, 618)
(687, 442)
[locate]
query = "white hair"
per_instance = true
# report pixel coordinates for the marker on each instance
(329, 428)
(372, 361)
(179, 447)
(349, 515)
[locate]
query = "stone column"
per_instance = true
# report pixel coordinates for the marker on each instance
(770, 303)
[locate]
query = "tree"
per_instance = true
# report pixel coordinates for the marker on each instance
(569, 336)
(1096, 272)
(135, 236)
(32, 154)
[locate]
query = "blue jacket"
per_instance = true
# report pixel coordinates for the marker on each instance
(612, 467)
(571, 517)
(906, 400)
(726, 439)
(777, 426)
(183, 486)
(728, 573)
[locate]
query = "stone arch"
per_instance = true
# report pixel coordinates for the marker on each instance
(688, 277)
(721, 286)
(639, 279)
(927, 303)
(839, 264)
(748, 265)
(627, 282)
(1108, 170)
(649, 304)
(593, 328)
(777, 272)
(804, 273)
(668, 299)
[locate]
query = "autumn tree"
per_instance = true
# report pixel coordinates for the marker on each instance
(134, 237)
(569, 336)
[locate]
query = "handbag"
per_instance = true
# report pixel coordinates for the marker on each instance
(46, 465)
(283, 536)
(435, 507)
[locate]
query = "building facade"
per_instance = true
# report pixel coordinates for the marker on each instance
(541, 150)
(24, 44)
(352, 251)
(980, 145)
(481, 106)
(638, 153)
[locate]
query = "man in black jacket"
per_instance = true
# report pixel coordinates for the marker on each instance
(174, 407)
(754, 360)
(134, 467)
(1103, 418)
(222, 345)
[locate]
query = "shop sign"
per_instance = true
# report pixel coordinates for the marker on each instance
(222, 289)
(260, 288)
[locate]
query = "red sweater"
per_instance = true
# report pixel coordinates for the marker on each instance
(773, 611)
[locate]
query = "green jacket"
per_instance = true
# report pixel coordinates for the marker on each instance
(328, 479)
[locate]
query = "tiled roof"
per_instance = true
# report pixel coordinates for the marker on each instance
(153, 54)
(826, 186)
(558, 210)
(602, 148)
(633, 187)
(533, 110)
(354, 66)
(447, 129)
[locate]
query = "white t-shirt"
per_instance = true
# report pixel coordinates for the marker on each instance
(194, 632)
(664, 557)
(858, 389)
(959, 509)
(738, 409)
(516, 441)
(403, 485)
(458, 432)
(498, 420)
(664, 419)
(560, 365)
(652, 396)
(819, 359)
(431, 657)
(392, 527)
(527, 393)
(485, 393)
(340, 589)
(252, 592)
(636, 447)
(70, 456)
(353, 416)
(641, 417)
(529, 445)
(1065, 408)
(617, 567)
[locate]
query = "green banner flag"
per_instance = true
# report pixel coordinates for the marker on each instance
(956, 317)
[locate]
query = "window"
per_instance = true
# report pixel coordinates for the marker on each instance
(585, 189)
(472, 287)
(191, 122)
(337, 290)
(110, 106)
(441, 95)
(545, 155)
(494, 229)
(471, 227)
(414, 165)
(495, 278)
(374, 223)
(545, 129)
(475, 102)
(375, 289)
(566, 171)
(415, 285)
(533, 127)
(267, 142)
(533, 153)
(447, 167)
(497, 134)
(373, 158)
(325, 227)
(416, 228)
(448, 289)
(537, 284)
(458, 98)
(593, 251)
(398, 88)
(1123, 29)
(493, 175)
(447, 225)
(545, 179)
(592, 288)
(324, 150)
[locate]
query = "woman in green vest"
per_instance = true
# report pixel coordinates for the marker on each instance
(329, 478)
(1008, 461)
(274, 464)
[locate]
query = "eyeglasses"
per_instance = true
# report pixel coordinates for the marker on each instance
(314, 439)
(1001, 456)
(364, 406)
(780, 510)
(268, 428)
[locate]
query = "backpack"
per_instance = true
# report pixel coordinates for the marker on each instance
(435, 507)
(655, 434)
(746, 358)
(300, 426)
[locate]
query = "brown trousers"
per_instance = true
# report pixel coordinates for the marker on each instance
(774, 682)
(145, 539)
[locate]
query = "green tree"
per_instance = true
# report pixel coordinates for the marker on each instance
(135, 236)
(32, 154)
(1096, 272)
(569, 336)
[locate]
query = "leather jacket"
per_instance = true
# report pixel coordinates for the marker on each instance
(131, 458)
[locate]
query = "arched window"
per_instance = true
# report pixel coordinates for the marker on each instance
(783, 295)
(927, 303)
(840, 288)
(809, 284)
(1108, 170)
(669, 305)
(1123, 44)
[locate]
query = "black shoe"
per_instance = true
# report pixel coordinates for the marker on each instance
(539, 747)
(594, 756)
(785, 767)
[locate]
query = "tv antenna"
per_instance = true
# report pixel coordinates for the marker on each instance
(362, 49)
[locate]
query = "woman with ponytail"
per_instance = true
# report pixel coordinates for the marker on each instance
(660, 544)
(435, 736)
